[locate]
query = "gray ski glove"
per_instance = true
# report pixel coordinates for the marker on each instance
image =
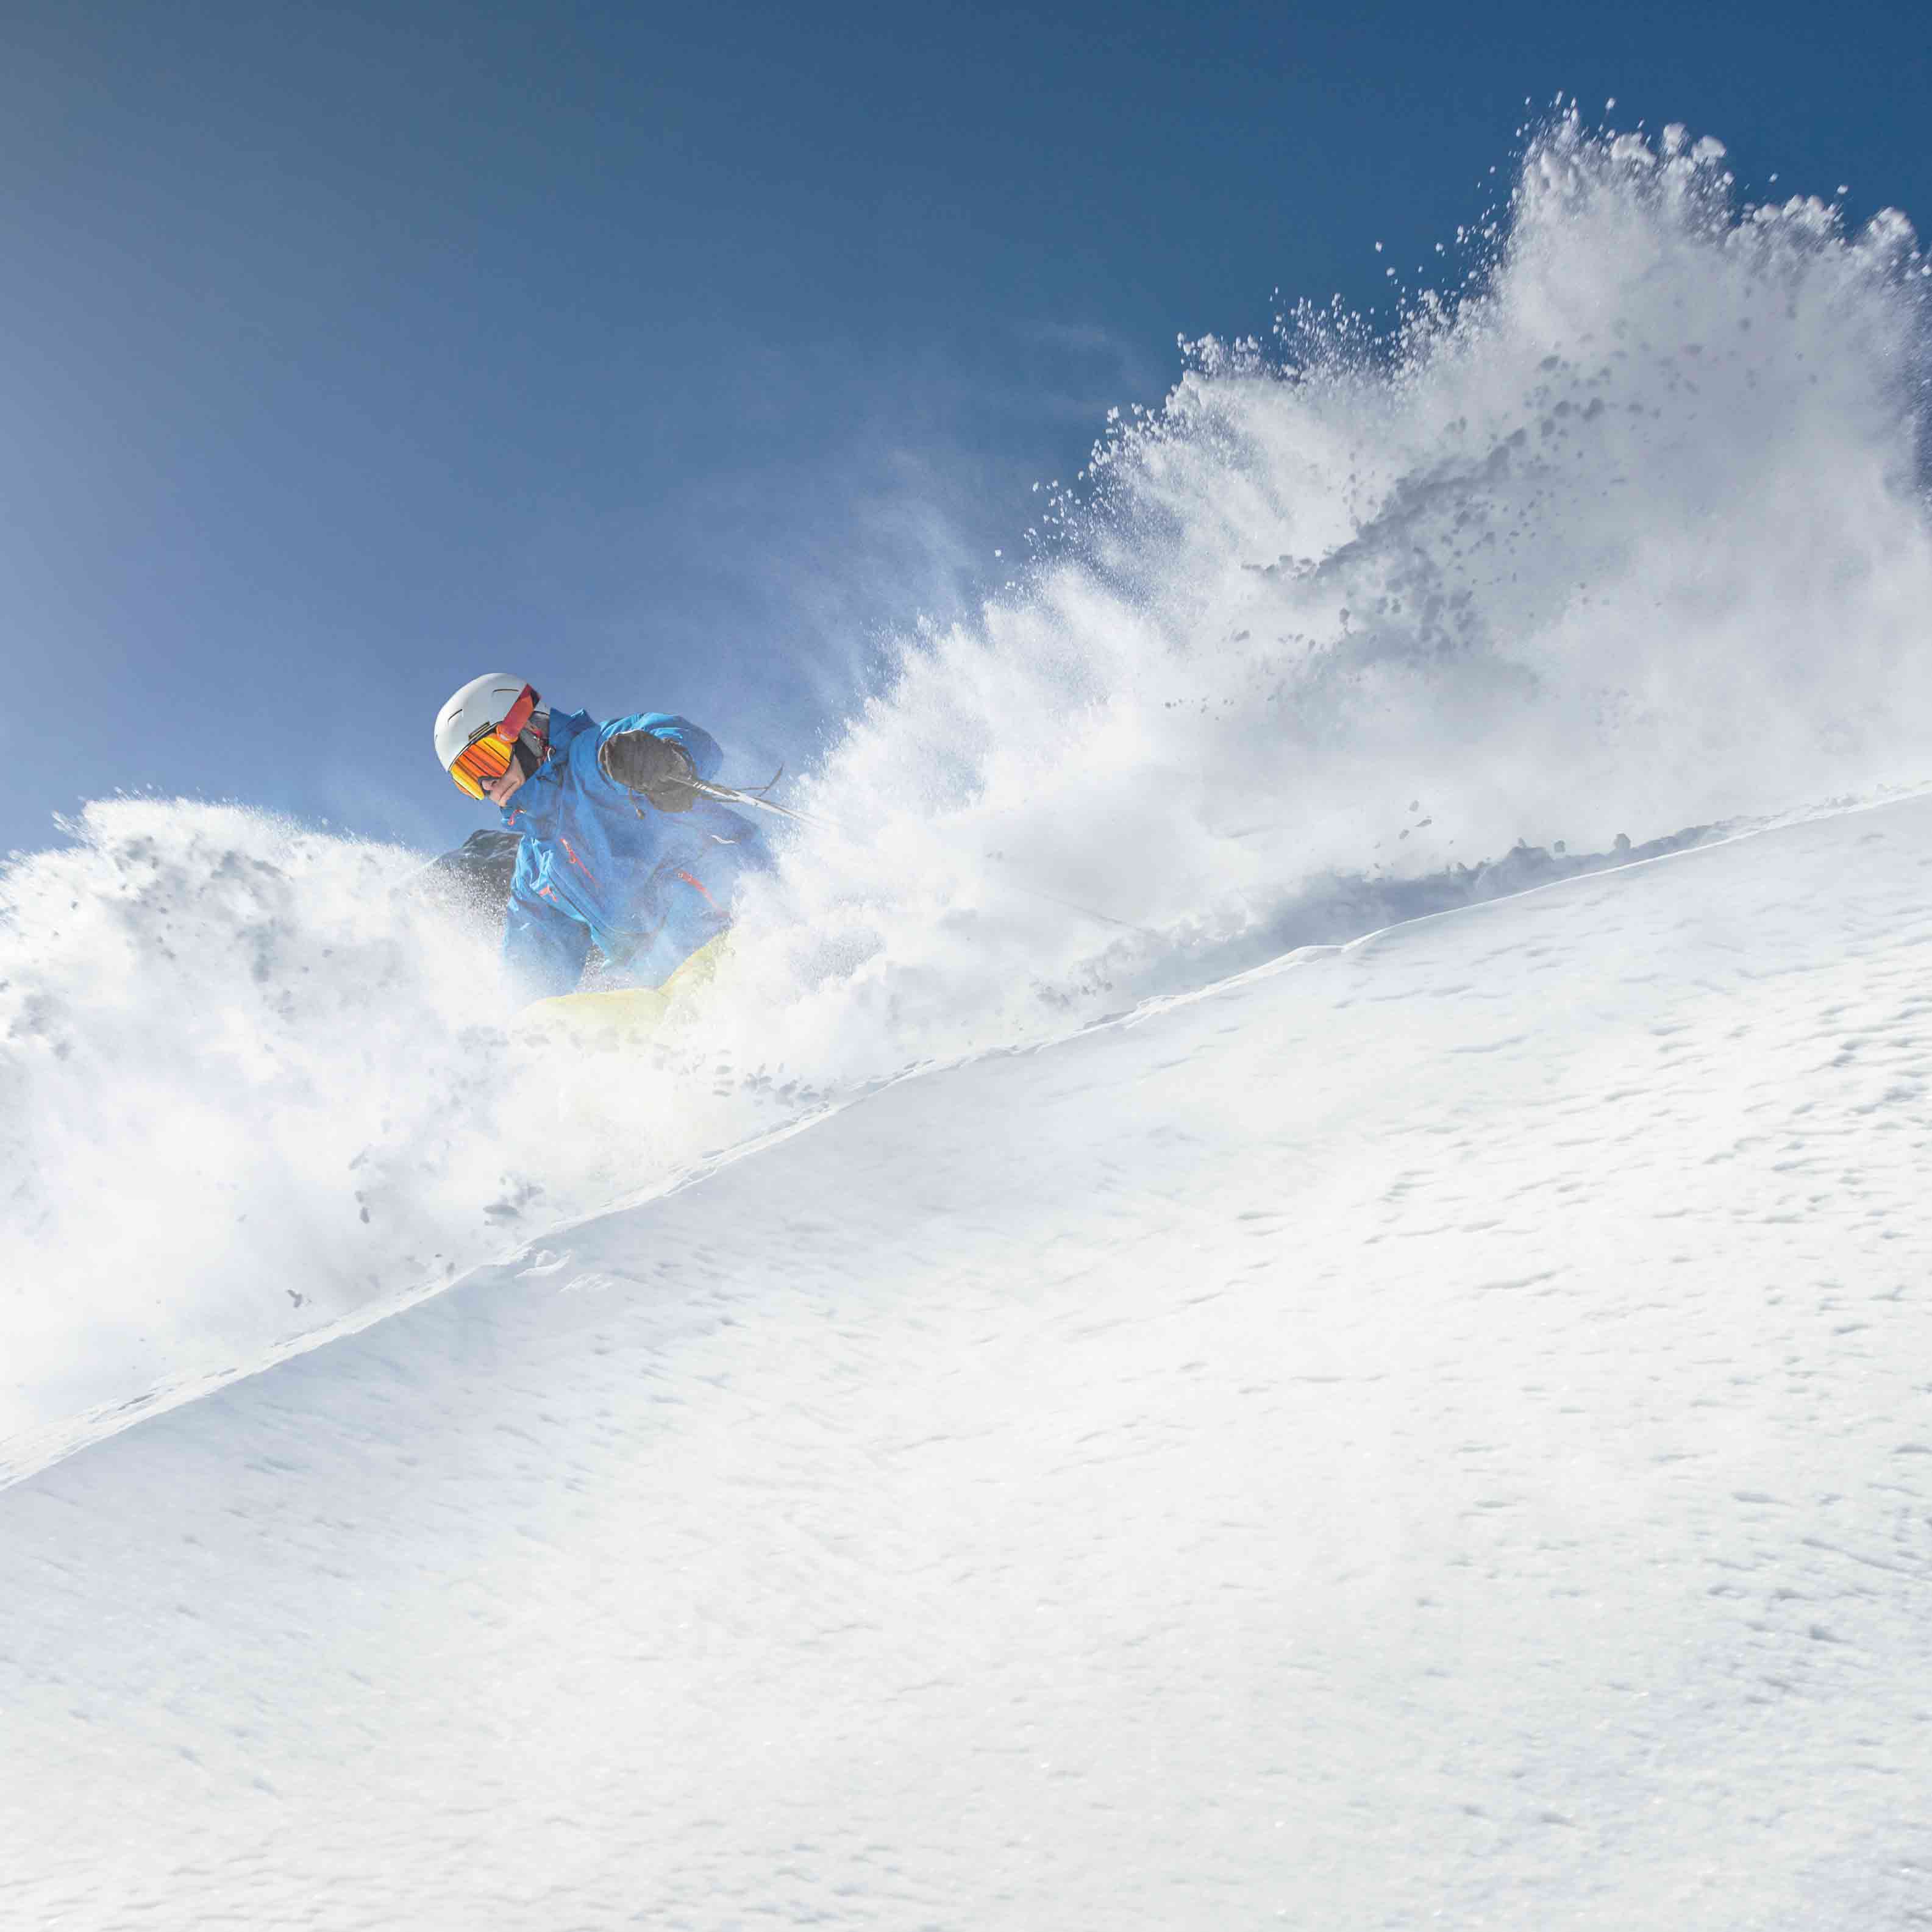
(642, 761)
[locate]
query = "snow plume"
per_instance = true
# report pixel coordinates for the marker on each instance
(256, 1079)
(1623, 534)
(221, 1036)
(1626, 537)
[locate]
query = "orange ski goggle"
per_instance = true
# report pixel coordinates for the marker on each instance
(486, 756)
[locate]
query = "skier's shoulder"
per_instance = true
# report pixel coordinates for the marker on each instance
(658, 724)
(581, 737)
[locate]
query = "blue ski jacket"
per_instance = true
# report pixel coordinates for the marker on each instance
(599, 861)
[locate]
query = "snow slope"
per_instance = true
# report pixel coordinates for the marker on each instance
(1430, 1432)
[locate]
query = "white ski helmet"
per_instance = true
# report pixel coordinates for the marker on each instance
(483, 705)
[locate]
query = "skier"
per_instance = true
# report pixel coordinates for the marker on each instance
(617, 846)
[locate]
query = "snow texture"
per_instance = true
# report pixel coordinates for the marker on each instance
(1434, 1430)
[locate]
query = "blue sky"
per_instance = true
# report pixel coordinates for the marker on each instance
(671, 355)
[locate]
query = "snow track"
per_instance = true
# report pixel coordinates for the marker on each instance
(1440, 1435)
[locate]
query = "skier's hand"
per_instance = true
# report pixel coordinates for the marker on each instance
(642, 761)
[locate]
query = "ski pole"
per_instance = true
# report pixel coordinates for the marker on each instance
(730, 795)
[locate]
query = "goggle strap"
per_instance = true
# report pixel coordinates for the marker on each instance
(518, 715)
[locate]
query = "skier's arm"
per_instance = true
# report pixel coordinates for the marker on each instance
(655, 755)
(544, 947)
